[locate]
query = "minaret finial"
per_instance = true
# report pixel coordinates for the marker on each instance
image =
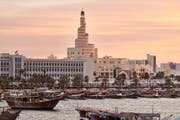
(82, 12)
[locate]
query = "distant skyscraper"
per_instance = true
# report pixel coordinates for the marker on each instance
(82, 48)
(151, 59)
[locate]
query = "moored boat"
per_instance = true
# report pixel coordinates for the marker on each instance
(115, 96)
(35, 105)
(95, 114)
(133, 96)
(33, 100)
(77, 96)
(156, 95)
(96, 96)
(8, 114)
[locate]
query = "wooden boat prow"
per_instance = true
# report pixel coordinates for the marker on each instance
(8, 114)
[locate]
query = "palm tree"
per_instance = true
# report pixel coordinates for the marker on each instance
(95, 74)
(105, 82)
(64, 81)
(44, 72)
(135, 80)
(23, 83)
(19, 78)
(30, 83)
(120, 80)
(134, 75)
(11, 80)
(4, 82)
(50, 81)
(172, 76)
(123, 78)
(21, 72)
(1, 82)
(46, 80)
(77, 81)
(96, 79)
(160, 75)
(146, 76)
(35, 80)
(86, 79)
(168, 82)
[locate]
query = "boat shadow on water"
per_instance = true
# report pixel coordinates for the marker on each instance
(36, 110)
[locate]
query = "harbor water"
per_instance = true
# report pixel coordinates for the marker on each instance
(65, 110)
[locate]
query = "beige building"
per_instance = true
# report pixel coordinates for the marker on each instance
(170, 68)
(82, 49)
(106, 66)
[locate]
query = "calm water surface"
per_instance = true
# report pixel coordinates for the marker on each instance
(65, 110)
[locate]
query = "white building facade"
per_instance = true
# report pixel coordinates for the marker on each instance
(10, 66)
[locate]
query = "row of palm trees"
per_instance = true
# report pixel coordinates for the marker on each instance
(43, 80)
(21, 83)
(78, 80)
(135, 80)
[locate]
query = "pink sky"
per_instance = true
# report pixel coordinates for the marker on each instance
(120, 28)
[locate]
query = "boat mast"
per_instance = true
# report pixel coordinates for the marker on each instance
(152, 108)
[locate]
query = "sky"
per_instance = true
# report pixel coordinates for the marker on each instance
(118, 28)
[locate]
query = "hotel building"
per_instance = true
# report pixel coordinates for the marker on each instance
(10, 66)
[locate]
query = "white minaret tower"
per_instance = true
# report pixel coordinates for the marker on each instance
(82, 37)
(82, 49)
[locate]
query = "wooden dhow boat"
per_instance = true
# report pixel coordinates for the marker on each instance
(33, 100)
(8, 114)
(97, 114)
